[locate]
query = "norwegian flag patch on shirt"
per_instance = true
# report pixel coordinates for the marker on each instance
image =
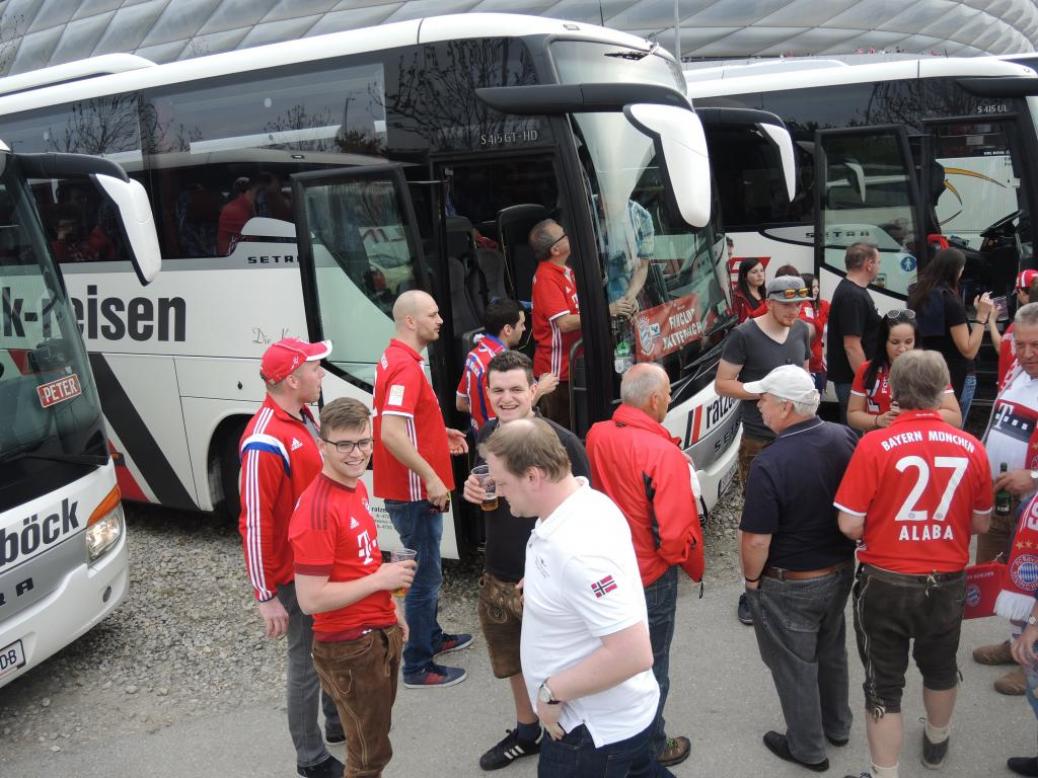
(603, 587)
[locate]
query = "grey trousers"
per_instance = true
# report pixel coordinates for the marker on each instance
(802, 635)
(304, 686)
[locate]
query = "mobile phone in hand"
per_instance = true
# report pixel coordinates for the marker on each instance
(1001, 307)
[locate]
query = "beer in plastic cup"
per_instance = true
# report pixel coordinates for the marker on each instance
(482, 473)
(402, 555)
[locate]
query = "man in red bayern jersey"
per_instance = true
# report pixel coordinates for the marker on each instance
(279, 459)
(913, 493)
(358, 630)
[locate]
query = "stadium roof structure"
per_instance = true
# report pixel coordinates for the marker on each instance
(40, 33)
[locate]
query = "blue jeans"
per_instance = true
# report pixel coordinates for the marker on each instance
(843, 396)
(802, 636)
(420, 526)
(969, 388)
(1032, 688)
(661, 599)
(575, 756)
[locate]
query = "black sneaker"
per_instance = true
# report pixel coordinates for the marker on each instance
(744, 611)
(512, 747)
(454, 643)
(779, 746)
(333, 733)
(329, 768)
(435, 675)
(1023, 765)
(934, 753)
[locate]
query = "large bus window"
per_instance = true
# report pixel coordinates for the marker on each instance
(646, 252)
(80, 226)
(869, 197)
(363, 260)
(221, 155)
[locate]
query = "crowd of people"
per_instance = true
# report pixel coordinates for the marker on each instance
(585, 542)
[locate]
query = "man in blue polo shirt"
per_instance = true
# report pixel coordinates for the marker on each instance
(798, 565)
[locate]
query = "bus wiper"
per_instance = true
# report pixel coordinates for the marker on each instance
(628, 54)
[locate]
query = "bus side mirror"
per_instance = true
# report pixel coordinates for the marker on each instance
(684, 160)
(783, 141)
(136, 222)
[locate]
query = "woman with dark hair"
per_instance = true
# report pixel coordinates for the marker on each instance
(870, 406)
(749, 290)
(943, 323)
(816, 313)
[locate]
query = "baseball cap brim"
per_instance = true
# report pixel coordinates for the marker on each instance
(317, 351)
(755, 387)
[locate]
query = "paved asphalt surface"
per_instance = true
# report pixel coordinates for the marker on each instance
(721, 696)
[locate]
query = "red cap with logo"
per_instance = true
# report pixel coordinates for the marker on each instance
(1025, 279)
(283, 357)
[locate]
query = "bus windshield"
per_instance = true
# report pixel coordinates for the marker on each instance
(646, 251)
(49, 409)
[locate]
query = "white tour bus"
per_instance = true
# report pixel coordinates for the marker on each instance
(907, 154)
(63, 561)
(299, 187)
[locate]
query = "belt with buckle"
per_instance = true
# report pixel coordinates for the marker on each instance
(781, 574)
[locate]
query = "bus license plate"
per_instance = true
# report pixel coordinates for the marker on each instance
(12, 657)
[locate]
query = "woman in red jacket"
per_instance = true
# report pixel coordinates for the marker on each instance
(749, 294)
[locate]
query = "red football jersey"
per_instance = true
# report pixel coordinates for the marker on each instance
(473, 384)
(333, 534)
(917, 483)
(877, 396)
(554, 296)
(402, 389)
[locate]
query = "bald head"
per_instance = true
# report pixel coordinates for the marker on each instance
(417, 318)
(646, 386)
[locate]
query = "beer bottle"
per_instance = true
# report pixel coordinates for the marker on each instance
(1003, 499)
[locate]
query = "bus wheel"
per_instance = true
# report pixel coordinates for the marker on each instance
(227, 468)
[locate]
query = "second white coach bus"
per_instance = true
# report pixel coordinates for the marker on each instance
(907, 154)
(422, 153)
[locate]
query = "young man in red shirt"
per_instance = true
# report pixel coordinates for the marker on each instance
(359, 629)
(556, 314)
(413, 475)
(638, 464)
(279, 459)
(913, 494)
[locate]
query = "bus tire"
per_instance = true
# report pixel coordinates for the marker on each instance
(227, 467)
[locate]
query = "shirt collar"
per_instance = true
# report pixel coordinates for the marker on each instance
(544, 528)
(803, 426)
(396, 343)
(907, 416)
(284, 415)
(494, 340)
(629, 416)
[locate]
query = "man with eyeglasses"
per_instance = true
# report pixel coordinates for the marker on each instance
(556, 313)
(853, 321)
(413, 475)
(359, 629)
(279, 459)
(751, 351)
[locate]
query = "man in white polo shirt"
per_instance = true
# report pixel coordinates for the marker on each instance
(585, 649)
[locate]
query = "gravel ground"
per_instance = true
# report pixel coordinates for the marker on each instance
(187, 641)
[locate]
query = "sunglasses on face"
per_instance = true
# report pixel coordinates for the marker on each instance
(563, 235)
(905, 314)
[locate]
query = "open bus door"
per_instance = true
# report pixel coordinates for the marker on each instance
(867, 191)
(359, 249)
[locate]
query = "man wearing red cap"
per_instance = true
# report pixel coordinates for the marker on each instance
(1004, 343)
(279, 459)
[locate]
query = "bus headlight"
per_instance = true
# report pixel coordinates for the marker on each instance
(105, 527)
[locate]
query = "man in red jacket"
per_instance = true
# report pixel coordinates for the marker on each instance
(279, 459)
(639, 465)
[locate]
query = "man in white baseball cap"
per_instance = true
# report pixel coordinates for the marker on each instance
(798, 566)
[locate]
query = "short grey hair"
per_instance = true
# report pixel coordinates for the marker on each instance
(1027, 315)
(918, 380)
(806, 408)
(639, 383)
(541, 239)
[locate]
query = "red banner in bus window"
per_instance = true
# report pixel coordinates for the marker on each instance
(666, 328)
(58, 391)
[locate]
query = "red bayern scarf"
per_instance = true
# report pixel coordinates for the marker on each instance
(1021, 577)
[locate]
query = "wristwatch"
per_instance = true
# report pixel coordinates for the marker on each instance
(1034, 477)
(1032, 620)
(544, 694)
